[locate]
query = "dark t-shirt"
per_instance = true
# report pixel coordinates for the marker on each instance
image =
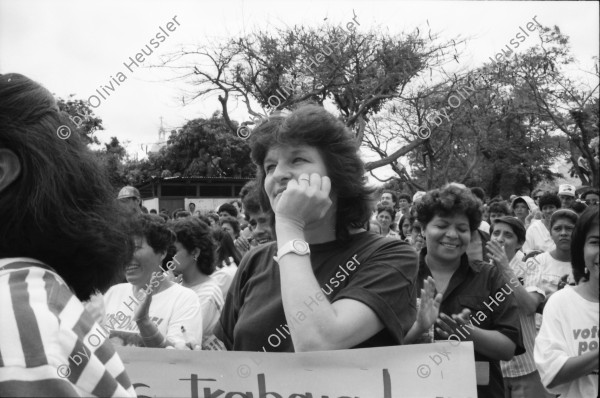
(474, 285)
(379, 272)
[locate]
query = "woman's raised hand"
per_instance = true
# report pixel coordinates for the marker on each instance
(305, 200)
(430, 305)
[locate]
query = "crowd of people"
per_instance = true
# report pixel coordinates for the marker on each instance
(305, 254)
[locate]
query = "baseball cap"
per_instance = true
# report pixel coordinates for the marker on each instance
(129, 192)
(566, 189)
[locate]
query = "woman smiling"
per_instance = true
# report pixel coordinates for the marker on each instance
(455, 287)
(313, 180)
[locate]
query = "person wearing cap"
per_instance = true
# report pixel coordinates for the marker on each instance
(591, 197)
(521, 378)
(130, 197)
(538, 234)
(522, 206)
(566, 194)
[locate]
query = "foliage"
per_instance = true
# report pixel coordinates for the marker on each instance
(82, 116)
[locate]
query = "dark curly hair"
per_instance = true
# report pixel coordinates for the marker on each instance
(193, 233)
(389, 209)
(587, 220)
(549, 198)
(499, 207)
(235, 224)
(225, 248)
(155, 230)
(312, 125)
(61, 208)
(448, 201)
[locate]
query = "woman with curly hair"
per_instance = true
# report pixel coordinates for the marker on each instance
(194, 259)
(566, 348)
(62, 239)
(465, 299)
(325, 283)
(150, 310)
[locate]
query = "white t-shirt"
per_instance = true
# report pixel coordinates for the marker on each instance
(170, 309)
(552, 271)
(570, 328)
(224, 276)
(538, 237)
(211, 303)
(484, 226)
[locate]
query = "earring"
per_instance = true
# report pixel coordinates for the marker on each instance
(196, 258)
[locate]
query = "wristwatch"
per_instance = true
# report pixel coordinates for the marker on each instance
(297, 246)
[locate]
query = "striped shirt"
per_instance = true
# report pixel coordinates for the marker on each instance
(49, 344)
(531, 279)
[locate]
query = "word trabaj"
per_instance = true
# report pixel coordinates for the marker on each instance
(120, 319)
(244, 132)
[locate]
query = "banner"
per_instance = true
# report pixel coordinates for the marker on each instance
(439, 370)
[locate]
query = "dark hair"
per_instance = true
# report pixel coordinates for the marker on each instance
(394, 196)
(449, 201)
(251, 198)
(235, 224)
(214, 216)
(193, 233)
(225, 248)
(228, 208)
(389, 209)
(153, 211)
(183, 214)
(549, 198)
(411, 220)
(584, 224)
(499, 207)
(155, 230)
(515, 224)
(591, 191)
(164, 216)
(405, 196)
(578, 207)
(313, 126)
(61, 208)
(569, 214)
(479, 192)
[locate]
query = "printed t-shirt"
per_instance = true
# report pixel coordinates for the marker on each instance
(49, 344)
(211, 304)
(569, 329)
(170, 309)
(474, 285)
(377, 271)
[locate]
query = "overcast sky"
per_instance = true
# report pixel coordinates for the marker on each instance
(74, 47)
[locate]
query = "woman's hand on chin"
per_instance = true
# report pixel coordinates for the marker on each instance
(304, 201)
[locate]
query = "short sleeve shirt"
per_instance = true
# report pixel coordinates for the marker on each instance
(481, 288)
(379, 272)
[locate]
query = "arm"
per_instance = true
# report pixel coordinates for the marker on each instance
(428, 311)
(490, 343)
(528, 301)
(576, 367)
(340, 325)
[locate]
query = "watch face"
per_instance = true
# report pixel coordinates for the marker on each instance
(300, 246)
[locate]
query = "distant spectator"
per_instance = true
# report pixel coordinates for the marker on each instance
(538, 236)
(130, 198)
(522, 206)
(591, 197)
(566, 194)
(213, 218)
(404, 202)
(227, 259)
(182, 214)
(227, 210)
(498, 210)
(192, 207)
(231, 226)
(537, 194)
(389, 198)
(385, 217)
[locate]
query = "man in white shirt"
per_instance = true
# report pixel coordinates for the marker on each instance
(538, 234)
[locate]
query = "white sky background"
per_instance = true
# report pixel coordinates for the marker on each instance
(76, 46)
